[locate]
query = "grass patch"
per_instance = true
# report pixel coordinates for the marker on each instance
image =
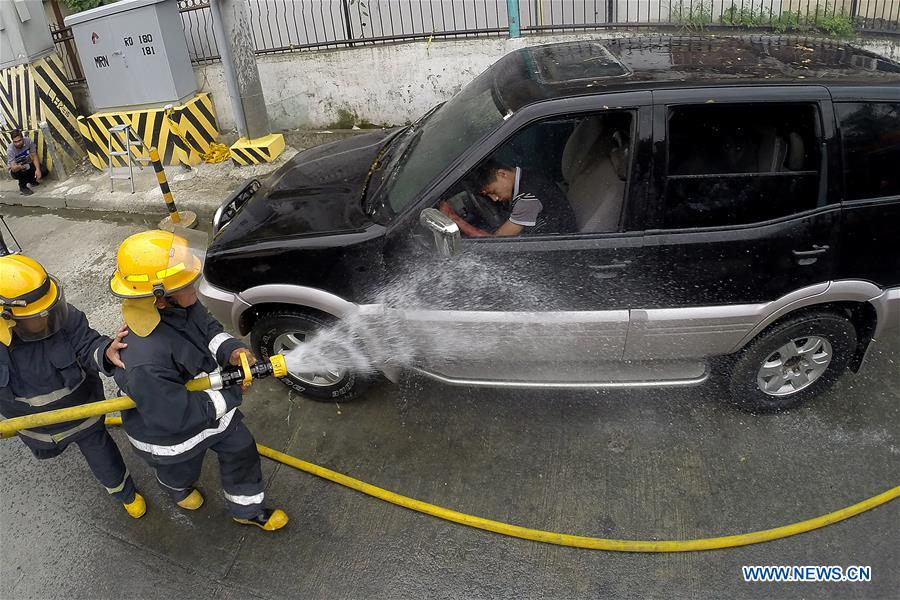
(692, 16)
(827, 21)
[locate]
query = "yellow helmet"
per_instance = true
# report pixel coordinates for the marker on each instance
(151, 265)
(31, 298)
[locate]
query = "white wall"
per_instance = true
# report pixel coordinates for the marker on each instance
(390, 83)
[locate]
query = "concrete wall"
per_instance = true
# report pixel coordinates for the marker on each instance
(391, 83)
(388, 83)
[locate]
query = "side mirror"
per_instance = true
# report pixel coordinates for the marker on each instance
(446, 232)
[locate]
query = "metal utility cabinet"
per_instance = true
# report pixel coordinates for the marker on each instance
(134, 54)
(24, 33)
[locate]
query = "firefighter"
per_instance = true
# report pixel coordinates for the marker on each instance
(49, 359)
(173, 340)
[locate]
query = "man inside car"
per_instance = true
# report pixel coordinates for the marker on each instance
(536, 205)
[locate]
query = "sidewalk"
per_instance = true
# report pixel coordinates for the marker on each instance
(200, 189)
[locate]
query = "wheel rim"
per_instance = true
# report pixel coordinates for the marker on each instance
(795, 366)
(290, 340)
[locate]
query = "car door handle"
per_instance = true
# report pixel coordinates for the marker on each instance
(612, 266)
(816, 251)
(609, 270)
(809, 257)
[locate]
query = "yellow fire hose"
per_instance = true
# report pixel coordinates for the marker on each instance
(242, 374)
(10, 426)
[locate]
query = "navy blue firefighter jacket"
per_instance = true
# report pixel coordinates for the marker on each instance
(59, 371)
(171, 424)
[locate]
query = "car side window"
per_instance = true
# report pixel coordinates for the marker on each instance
(558, 176)
(740, 163)
(870, 136)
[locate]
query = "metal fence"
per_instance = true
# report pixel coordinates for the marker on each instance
(65, 46)
(295, 25)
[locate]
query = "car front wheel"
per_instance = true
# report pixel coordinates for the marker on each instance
(279, 332)
(792, 361)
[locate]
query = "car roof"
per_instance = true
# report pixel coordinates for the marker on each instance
(582, 67)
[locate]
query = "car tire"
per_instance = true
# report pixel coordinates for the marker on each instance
(274, 332)
(793, 361)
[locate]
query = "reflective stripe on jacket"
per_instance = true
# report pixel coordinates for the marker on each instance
(57, 372)
(170, 423)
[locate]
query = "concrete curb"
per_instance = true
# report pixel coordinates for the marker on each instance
(37, 200)
(79, 202)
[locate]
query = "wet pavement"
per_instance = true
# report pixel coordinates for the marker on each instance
(675, 464)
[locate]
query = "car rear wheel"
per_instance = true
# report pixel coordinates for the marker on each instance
(792, 361)
(279, 332)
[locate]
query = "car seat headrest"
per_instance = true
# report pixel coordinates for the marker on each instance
(578, 150)
(618, 154)
(796, 154)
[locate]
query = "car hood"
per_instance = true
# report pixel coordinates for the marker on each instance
(318, 192)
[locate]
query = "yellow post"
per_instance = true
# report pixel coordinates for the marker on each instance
(187, 219)
(164, 186)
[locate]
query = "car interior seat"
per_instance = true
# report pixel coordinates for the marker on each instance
(796, 155)
(595, 188)
(778, 153)
(578, 149)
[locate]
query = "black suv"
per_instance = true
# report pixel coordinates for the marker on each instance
(733, 207)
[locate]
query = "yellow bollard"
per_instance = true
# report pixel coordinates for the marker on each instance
(186, 219)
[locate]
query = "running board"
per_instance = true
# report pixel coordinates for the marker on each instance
(494, 383)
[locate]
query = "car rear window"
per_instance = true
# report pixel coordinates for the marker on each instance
(870, 134)
(734, 164)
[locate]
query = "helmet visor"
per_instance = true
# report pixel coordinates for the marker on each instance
(45, 323)
(186, 258)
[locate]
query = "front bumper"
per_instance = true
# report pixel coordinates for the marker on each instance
(225, 306)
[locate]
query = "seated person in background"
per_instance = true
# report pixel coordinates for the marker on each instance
(536, 204)
(23, 162)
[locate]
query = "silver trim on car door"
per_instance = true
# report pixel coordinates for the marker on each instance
(453, 342)
(703, 331)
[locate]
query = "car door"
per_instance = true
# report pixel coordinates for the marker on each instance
(741, 215)
(535, 309)
(869, 124)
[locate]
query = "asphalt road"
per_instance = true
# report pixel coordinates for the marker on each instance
(639, 465)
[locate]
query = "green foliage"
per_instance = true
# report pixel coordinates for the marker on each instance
(786, 21)
(838, 24)
(746, 16)
(80, 5)
(693, 16)
(824, 20)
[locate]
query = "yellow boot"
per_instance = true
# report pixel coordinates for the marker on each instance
(193, 501)
(137, 507)
(268, 519)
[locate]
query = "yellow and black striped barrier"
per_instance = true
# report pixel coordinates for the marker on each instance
(182, 134)
(36, 92)
(186, 219)
(246, 152)
(164, 186)
(209, 153)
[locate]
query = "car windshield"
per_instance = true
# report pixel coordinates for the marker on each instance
(456, 126)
